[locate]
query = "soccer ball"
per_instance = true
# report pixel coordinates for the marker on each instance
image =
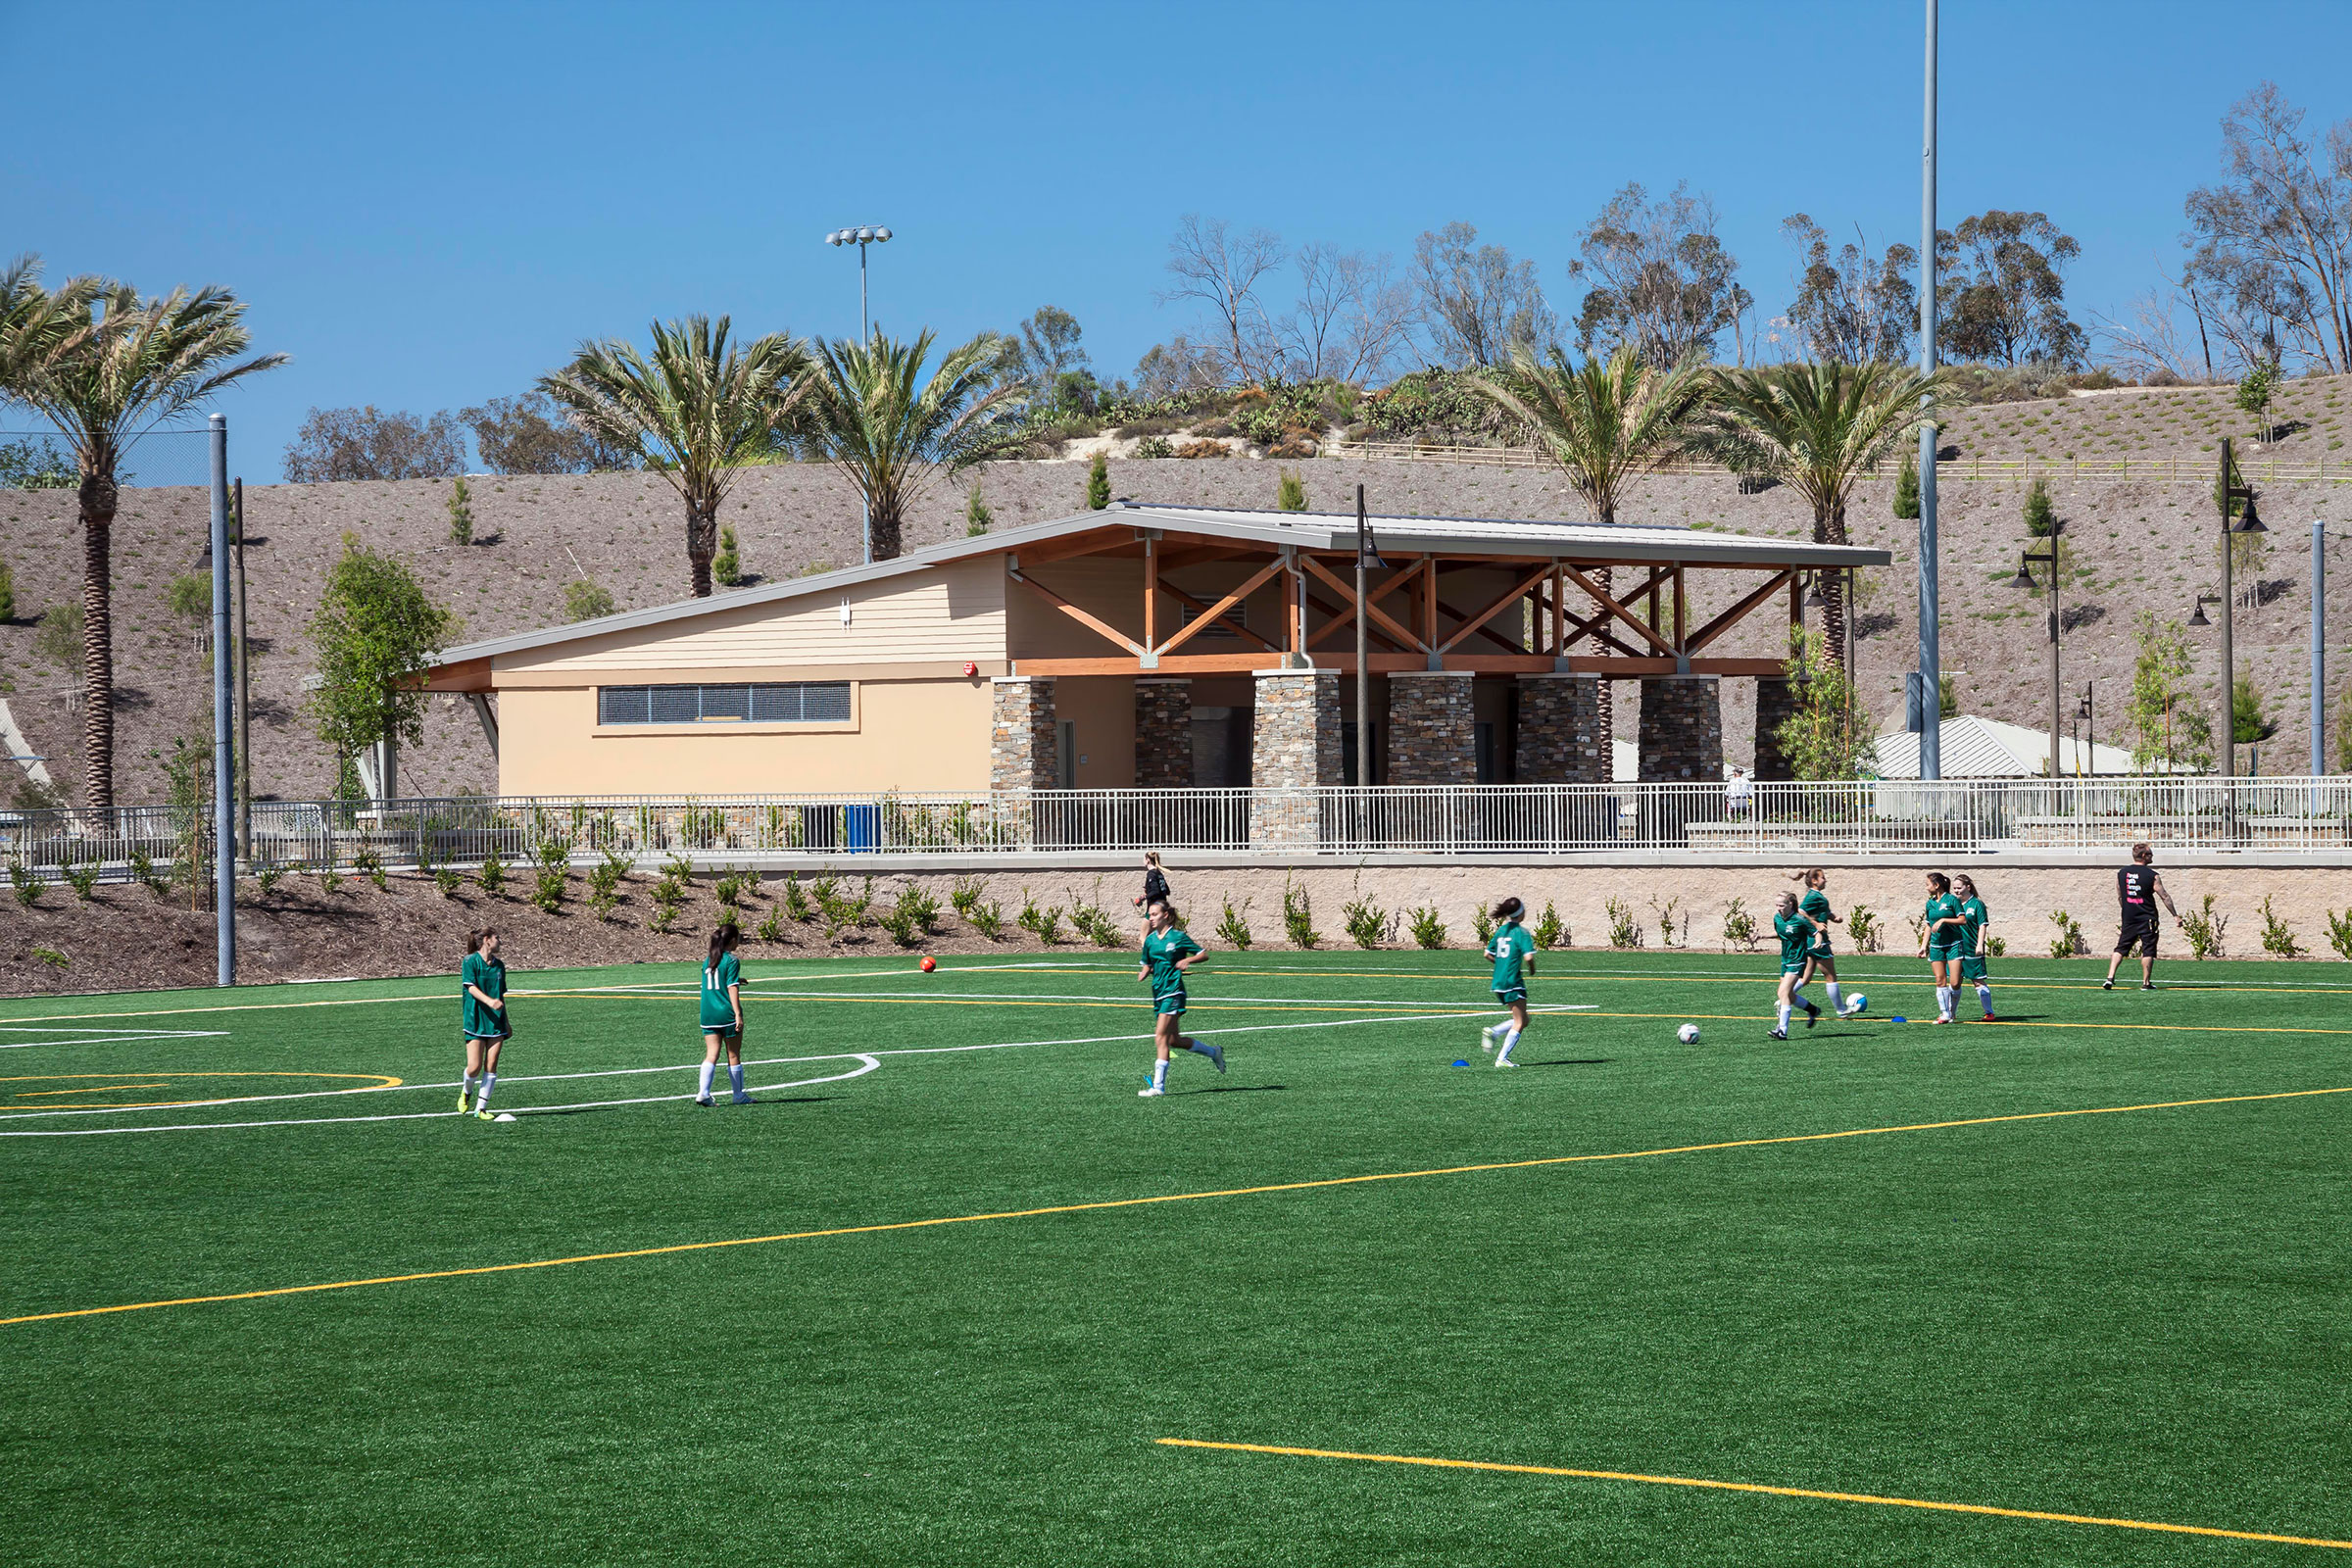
(929, 963)
(1858, 1003)
(1687, 1034)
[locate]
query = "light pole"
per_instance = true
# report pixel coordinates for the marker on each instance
(863, 236)
(1931, 631)
(2088, 711)
(2026, 563)
(2232, 492)
(1367, 556)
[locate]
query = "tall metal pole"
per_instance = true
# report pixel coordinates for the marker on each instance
(2319, 647)
(2056, 693)
(244, 681)
(1363, 659)
(225, 788)
(2229, 647)
(1931, 652)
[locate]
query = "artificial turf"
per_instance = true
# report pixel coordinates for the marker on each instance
(2134, 1316)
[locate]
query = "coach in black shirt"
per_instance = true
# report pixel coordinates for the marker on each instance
(2139, 888)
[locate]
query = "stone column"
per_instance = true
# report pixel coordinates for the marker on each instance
(1294, 746)
(1559, 730)
(1432, 731)
(1164, 733)
(1775, 702)
(1681, 743)
(1021, 748)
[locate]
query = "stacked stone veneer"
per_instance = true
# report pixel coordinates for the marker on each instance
(1295, 743)
(1021, 748)
(1164, 733)
(1433, 729)
(1560, 730)
(1776, 703)
(1681, 729)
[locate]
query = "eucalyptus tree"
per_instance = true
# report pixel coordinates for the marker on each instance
(119, 367)
(1817, 428)
(1606, 423)
(891, 429)
(696, 410)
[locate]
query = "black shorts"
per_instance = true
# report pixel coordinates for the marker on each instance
(2140, 931)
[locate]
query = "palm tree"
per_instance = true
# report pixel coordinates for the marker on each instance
(35, 326)
(698, 409)
(892, 431)
(118, 366)
(1605, 424)
(1815, 428)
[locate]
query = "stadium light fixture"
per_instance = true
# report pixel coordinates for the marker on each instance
(861, 236)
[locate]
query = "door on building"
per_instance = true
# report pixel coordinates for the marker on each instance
(1485, 742)
(1380, 763)
(1221, 747)
(1066, 754)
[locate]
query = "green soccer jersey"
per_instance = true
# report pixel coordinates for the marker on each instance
(718, 1010)
(1797, 936)
(1942, 907)
(1815, 907)
(1974, 913)
(489, 977)
(1163, 951)
(1510, 949)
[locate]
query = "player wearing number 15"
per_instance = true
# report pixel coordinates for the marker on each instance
(1168, 951)
(1512, 951)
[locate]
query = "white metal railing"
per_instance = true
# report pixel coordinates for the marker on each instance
(2294, 817)
(2116, 469)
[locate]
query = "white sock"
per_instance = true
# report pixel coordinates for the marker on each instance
(470, 1083)
(1510, 1038)
(1836, 999)
(484, 1098)
(702, 1089)
(735, 1075)
(1784, 1018)
(1944, 1001)
(1985, 996)
(1160, 1073)
(1797, 997)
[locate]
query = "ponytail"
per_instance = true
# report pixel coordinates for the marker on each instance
(476, 939)
(1806, 876)
(1509, 910)
(1940, 882)
(722, 942)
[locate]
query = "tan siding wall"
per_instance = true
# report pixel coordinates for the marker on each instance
(910, 735)
(952, 613)
(1103, 707)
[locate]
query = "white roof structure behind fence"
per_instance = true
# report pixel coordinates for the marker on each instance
(1986, 747)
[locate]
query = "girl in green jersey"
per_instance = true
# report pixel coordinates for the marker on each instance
(722, 1014)
(1940, 942)
(1168, 951)
(1814, 904)
(482, 999)
(1974, 918)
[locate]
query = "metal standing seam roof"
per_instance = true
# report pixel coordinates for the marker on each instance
(1304, 530)
(1976, 747)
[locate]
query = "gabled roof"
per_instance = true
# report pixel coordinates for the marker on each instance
(1974, 747)
(1301, 530)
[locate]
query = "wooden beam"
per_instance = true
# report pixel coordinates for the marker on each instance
(1380, 617)
(1151, 591)
(1617, 609)
(1738, 613)
(1481, 663)
(1338, 621)
(1187, 599)
(1200, 622)
(1477, 623)
(1091, 624)
(1091, 543)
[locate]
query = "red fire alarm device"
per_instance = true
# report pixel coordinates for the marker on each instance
(970, 668)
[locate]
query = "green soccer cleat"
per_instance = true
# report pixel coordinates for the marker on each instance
(483, 1116)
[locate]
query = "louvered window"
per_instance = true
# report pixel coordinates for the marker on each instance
(792, 701)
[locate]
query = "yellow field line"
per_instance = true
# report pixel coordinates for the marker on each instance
(1164, 1197)
(1750, 1485)
(380, 1081)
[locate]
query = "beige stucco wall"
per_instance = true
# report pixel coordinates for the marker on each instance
(1102, 708)
(910, 735)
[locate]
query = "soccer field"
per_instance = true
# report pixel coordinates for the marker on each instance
(2045, 1291)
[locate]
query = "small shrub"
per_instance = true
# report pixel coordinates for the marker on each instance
(1154, 446)
(369, 863)
(1203, 449)
(586, 601)
(460, 514)
(1862, 923)
(554, 856)
(1739, 926)
(664, 921)
(1290, 492)
(2277, 937)
(679, 869)
(1049, 924)
(1482, 925)
(728, 890)
(977, 521)
(2041, 518)
(2339, 933)
(1665, 913)
(1997, 947)
(1233, 929)
(1428, 930)
(328, 877)
(1625, 932)
(1367, 923)
(727, 569)
(8, 593)
(1551, 930)
(795, 902)
(988, 919)
(964, 894)
(144, 873)
(492, 875)
(2206, 930)
(919, 906)
(1919, 931)
(1297, 917)
(606, 876)
(82, 877)
(771, 929)
(50, 956)
(24, 882)
(2068, 942)
(902, 926)
(1098, 483)
(266, 876)
(1094, 922)
(443, 878)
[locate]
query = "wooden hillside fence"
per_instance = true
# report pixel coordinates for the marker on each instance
(2112, 470)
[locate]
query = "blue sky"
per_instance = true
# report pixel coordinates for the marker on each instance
(428, 204)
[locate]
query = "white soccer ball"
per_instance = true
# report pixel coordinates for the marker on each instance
(1859, 1003)
(1687, 1034)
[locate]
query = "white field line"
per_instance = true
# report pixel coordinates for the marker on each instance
(106, 1037)
(864, 1056)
